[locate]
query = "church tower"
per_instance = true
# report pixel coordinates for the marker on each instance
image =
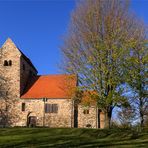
(10, 67)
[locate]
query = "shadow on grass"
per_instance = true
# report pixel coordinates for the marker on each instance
(70, 137)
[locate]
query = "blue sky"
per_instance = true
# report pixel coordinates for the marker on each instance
(37, 27)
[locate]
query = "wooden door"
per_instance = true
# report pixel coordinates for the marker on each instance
(32, 121)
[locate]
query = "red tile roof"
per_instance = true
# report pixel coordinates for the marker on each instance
(52, 86)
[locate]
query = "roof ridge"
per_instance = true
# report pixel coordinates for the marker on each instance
(57, 75)
(26, 58)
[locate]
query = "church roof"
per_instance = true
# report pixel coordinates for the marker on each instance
(52, 86)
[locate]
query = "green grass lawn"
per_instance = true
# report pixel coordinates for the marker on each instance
(70, 137)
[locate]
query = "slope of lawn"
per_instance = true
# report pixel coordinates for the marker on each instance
(70, 137)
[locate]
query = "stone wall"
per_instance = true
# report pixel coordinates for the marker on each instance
(64, 117)
(27, 74)
(90, 119)
(87, 119)
(11, 82)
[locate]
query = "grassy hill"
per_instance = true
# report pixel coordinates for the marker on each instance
(67, 137)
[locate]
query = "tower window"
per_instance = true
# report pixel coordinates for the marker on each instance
(10, 63)
(86, 111)
(6, 63)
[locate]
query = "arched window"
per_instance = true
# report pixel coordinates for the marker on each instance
(10, 63)
(5, 63)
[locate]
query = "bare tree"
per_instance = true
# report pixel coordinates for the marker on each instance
(126, 116)
(99, 38)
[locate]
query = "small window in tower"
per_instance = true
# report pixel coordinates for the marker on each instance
(6, 63)
(23, 107)
(86, 111)
(23, 66)
(10, 63)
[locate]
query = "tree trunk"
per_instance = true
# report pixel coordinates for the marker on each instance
(141, 119)
(108, 115)
(141, 113)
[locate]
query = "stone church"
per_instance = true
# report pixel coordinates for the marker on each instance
(40, 100)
